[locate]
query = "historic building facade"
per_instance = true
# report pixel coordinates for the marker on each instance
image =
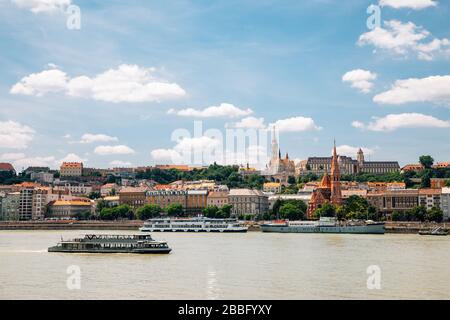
(71, 169)
(192, 201)
(248, 201)
(347, 165)
(329, 190)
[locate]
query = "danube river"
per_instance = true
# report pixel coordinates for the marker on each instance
(231, 266)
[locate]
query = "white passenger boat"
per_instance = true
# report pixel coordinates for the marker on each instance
(198, 224)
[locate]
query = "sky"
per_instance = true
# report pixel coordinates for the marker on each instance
(116, 90)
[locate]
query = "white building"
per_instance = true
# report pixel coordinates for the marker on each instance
(75, 188)
(43, 177)
(430, 198)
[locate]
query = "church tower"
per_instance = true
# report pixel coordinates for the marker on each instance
(336, 194)
(360, 157)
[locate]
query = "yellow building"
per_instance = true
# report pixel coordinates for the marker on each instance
(71, 169)
(272, 187)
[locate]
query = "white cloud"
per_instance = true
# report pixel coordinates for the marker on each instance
(108, 150)
(209, 150)
(67, 136)
(360, 79)
(357, 124)
(24, 163)
(435, 89)
(166, 155)
(411, 4)
(11, 156)
(224, 110)
(196, 144)
(250, 123)
(127, 83)
(21, 161)
(15, 135)
(256, 156)
(46, 6)
(346, 150)
(91, 138)
(295, 124)
(190, 150)
(39, 84)
(393, 122)
(119, 163)
(405, 38)
(71, 157)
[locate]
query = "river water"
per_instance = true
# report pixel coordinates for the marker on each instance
(231, 266)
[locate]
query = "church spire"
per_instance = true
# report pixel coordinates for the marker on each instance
(336, 193)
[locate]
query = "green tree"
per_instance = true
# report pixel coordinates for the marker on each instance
(398, 216)
(341, 214)
(276, 207)
(291, 189)
(174, 210)
(94, 195)
(102, 204)
(327, 210)
(291, 211)
(106, 214)
(426, 178)
(148, 211)
(416, 214)
(226, 210)
(435, 214)
(356, 207)
(211, 212)
(426, 161)
(123, 211)
(291, 180)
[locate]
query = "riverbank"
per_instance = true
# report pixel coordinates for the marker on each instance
(391, 227)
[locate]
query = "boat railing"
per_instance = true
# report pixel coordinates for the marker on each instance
(436, 230)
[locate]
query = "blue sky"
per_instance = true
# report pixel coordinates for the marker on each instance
(280, 59)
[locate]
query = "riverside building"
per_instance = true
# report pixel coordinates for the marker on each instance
(347, 165)
(248, 201)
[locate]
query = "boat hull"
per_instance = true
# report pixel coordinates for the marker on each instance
(242, 230)
(137, 251)
(427, 233)
(364, 229)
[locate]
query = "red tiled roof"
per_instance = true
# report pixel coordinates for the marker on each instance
(429, 191)
(72, 165)
(6, 167)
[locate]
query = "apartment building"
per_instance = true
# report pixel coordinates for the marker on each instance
(248, 201)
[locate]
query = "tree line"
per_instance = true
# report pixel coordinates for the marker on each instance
(227, 175)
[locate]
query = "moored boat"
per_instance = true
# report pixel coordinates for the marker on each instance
(91, 243)
(325, 225)
(197, 224)
(438, 231)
